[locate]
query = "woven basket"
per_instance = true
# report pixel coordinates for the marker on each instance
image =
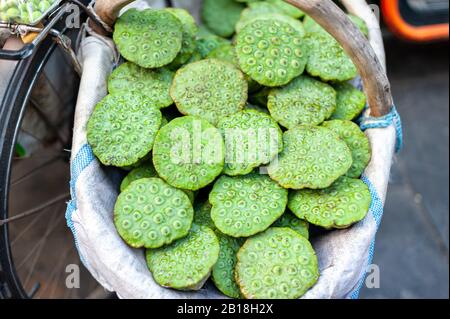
(344, 255)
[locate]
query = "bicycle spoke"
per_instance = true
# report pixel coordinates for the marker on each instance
(24, 231)
(35, 210)
(51, 279)
(34, 290)
(35, 171)
(37, 245)
(47, 122)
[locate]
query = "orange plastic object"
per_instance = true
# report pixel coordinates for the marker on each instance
(403, 29)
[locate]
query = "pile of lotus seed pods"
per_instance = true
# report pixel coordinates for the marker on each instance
(24, 11)
(187, 112)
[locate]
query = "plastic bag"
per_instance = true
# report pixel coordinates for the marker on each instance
(25, 11)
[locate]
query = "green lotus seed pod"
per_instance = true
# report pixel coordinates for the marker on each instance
(254, 10)
(291, 221)
(188, 262)
(203, 31)
(145, 171)
(295, 24)
(287, 8)
(189, 153)
(3, 6)
(243, 206)
(313, 157)
(271, 52)
(149, 38)
(23, 8)
(303, 101)
(210, 89)
(327, 59)
(357, 141)
(265, 10)
(202, 215)
(150, 213)
(346, 202)
(35, 17)
(257, 108)
(12, 13)
(311, 26)
(122, 129)
(44, 5)
(207, 43)
(350, 102)
(227, 52)
(190, 31)
(154, 84)
(276, 264)
(251, 139)
(220, 16)
(190, 194)
(223, 270)
(360, 23)
(196, 56)
(164, 121)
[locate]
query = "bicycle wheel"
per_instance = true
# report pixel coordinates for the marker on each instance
(36, 246)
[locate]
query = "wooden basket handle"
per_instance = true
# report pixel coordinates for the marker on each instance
(108, 11)
(336, 22)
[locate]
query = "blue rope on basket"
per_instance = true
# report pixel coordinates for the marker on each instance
(393, 118)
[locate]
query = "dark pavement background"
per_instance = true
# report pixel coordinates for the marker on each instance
(412, 247)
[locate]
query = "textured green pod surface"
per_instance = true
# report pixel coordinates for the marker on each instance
(271, 52)
(122, 129)
(149, 38)
(279, 5)
(210, 89)
(358, 143)
(327, 59)
(252, 139)
(223, 270)
(189, 153)
(246, 205)
(360, 23)
(207, 43)
(188, 262)
(346, 202)
(350, 102)
(154, 84)
(196, 56)
(190, 31)
(313, 157)
(150, 213)
(227, 52)
(257, 108)
(303, 101)
(145, 171)
(287, 8)
(276, 264)
(265, 10)
(311, 26)
(224, 52)
(220, 16)
(291, 221)
(202, 215)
